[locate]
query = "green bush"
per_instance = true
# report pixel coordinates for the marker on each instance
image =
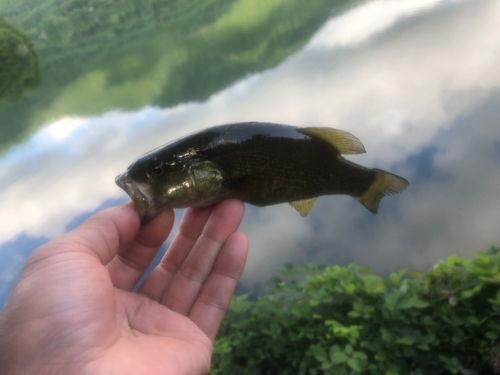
(343, 320)
(19, 69)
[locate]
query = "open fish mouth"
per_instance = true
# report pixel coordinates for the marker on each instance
(141, 195)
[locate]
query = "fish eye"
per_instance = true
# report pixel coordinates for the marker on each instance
(158, 170)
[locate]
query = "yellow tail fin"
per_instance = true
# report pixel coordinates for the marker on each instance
(385, 183)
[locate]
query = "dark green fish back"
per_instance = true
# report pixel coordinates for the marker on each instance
(284, 165)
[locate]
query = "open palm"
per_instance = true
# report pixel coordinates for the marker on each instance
(72, 309)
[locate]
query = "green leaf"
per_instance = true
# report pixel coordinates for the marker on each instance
(354, 364)
(337, 355)
(427, 320)
(395, 277)
(470, 292)
(360, 355)
(455, 340)
(453, 260)
(319, 353)
(391, 299)
(369, 309)
(333, 323)
(429, 338)
(491, 335)
(373, 285)
(275, 328)
(405, 341)
(348, 349)
(358, 306)
(420, 304)
(444, 358)
(386, 335)
(474, 320)
(326, 365)
(413, 302)
(353, 314)
(451, 364)
(408, 351)
(350, 288)
(495, 279)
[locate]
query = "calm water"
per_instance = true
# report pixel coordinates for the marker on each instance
(416, 80)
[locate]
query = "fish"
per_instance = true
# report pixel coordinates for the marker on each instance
(260, 163)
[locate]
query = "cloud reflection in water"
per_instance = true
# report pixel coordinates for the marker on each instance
(422, 94)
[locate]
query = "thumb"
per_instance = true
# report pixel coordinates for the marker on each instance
(102, 235)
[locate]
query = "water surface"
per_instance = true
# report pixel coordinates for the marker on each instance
(416, 80)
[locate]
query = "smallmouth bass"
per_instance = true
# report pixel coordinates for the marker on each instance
(260, 163)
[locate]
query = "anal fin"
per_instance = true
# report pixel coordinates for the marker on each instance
(303, 207)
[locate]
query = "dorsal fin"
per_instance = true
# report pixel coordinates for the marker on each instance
(303, 207)
(344, 142)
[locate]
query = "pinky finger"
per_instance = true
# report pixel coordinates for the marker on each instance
(213, 300)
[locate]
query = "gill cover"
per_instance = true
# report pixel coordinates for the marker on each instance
(196, 184)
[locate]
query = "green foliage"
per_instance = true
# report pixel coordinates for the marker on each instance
(343, 320)
(99, 55)
(19, 68)
(64, 26)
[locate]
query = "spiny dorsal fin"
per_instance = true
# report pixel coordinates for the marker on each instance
(385, 183)
(303, 207)
(344, 142)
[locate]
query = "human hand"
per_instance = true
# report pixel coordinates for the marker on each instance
(72, 310)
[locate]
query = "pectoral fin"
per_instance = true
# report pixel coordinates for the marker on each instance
(344, 143)
(303, 207)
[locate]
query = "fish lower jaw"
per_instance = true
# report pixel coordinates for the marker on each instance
(139, 194)
(149, 214)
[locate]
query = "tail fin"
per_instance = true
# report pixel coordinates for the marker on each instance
(385, 183)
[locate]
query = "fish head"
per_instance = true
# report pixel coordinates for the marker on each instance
(153, 184)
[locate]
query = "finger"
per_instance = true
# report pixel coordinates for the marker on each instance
(190, 228)
(103, 234)
(184, 287)
(215, 296)
(132, 261)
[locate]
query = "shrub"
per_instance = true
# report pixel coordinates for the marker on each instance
(344, 320)
(19, 68)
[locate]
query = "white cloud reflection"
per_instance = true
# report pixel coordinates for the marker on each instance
(400, 91)
(365, 21)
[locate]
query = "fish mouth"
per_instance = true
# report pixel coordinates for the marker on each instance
(141, 195)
